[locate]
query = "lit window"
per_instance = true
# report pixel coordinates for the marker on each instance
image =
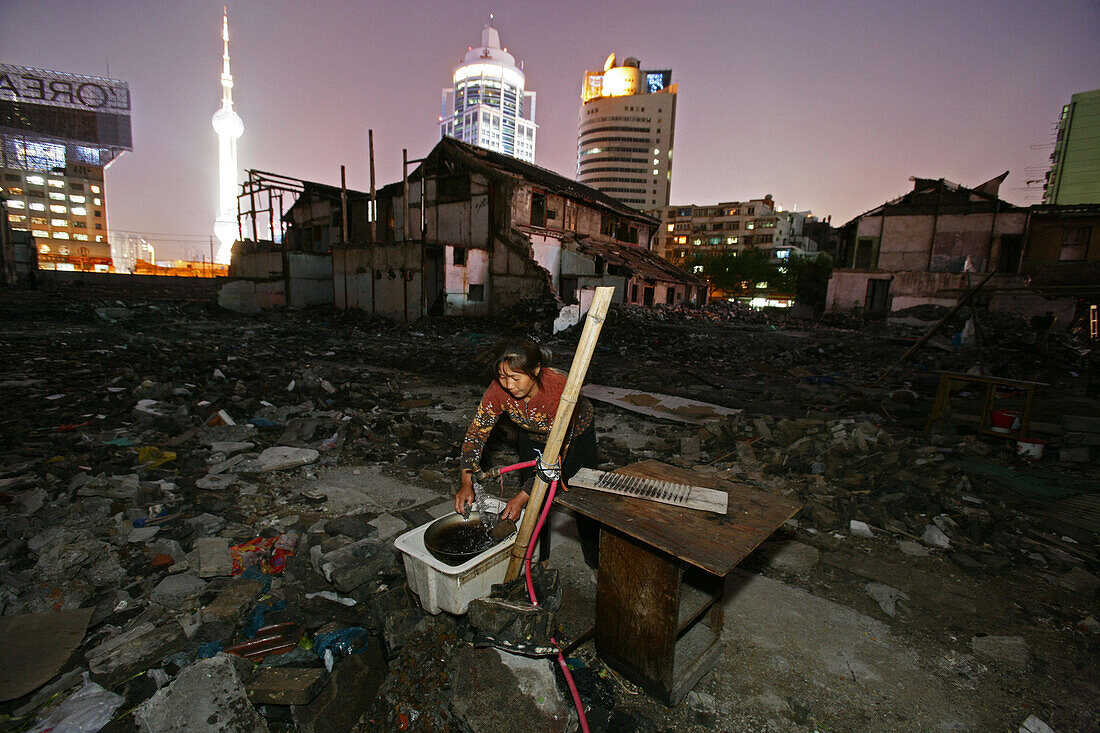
(36, 181)
(95, 189)
(63, 250)
(54, 183)
(656, 151)
(782, 254)
(80, 211)
(43, 248)
(99, 237)
(58, 208)
(15, 191)
(40, 233)
(39, 220)
(16, 218)
(731, 240)
(59, 222)
(37, 207)
(81, 237)
(17, 204)
(60, 235)
(76, 199)
(697, 269)
(670, 227)
(750, 225)
(57, 196)
(97, 201)
(655, 171)
(761, 286)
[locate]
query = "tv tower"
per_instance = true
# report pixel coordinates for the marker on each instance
(227, 124)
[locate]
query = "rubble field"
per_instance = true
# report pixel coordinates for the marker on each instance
(198, 512)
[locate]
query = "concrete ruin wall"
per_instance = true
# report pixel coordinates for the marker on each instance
(458, 279)
(310, 280)
(1006, 293)
(386, 280)
(904, 241)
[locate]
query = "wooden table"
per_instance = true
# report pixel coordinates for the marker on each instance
(662, 575)
(941, 406)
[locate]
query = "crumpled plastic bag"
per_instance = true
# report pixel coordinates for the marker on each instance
(86, 711)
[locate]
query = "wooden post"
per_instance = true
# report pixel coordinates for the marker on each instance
(577, 371)
(373, 196)
(921, 341)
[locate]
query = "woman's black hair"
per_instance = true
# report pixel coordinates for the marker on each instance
(522, 355)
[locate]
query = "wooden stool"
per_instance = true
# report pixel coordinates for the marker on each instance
(941, 406)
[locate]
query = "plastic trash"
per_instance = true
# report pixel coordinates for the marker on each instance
(152, 457)
(256, 620)
(209, 648)
(340, 643)
(262, 422)
(86, 711)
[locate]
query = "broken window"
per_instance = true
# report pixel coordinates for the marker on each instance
(458, 256)
(538, 209)
(453, 188)
(1011, 248)
(569, 290)
(477, 293)
(1075, 244)
(866, 254)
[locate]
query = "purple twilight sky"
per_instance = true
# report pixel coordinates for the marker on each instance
(827, 105)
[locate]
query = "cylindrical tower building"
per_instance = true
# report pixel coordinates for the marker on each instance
(488, 105)
(625, 133)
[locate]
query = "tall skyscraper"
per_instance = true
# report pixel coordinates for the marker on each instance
(487, 105)
(1074, 176)
(624, 145)
(58, 134)
(227, 124)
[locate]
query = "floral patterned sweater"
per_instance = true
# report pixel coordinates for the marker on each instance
(534, 415)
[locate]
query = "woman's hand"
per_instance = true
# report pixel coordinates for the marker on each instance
(515, 506)
(465, 495)
(463, 499)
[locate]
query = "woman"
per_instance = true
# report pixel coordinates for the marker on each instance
(528, 391)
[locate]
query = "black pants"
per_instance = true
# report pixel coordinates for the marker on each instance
(582, 453)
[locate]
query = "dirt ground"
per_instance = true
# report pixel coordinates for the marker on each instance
(977, 636)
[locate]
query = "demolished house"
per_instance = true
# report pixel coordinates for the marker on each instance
(941, 239)
(486, 233)
(923, 247)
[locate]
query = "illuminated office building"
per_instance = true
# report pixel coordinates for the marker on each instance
(58, 133)
(487, 105)
(1074, 175)
(624, 144)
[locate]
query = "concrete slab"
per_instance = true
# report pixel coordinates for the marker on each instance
(782, 642)
(356, 490)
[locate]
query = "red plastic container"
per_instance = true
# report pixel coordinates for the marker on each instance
(1005, 421)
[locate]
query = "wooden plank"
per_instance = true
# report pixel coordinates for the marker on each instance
(715, 543)
(664, 492)
(637, 596)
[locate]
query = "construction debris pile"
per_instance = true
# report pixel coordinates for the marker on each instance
(214, 500)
